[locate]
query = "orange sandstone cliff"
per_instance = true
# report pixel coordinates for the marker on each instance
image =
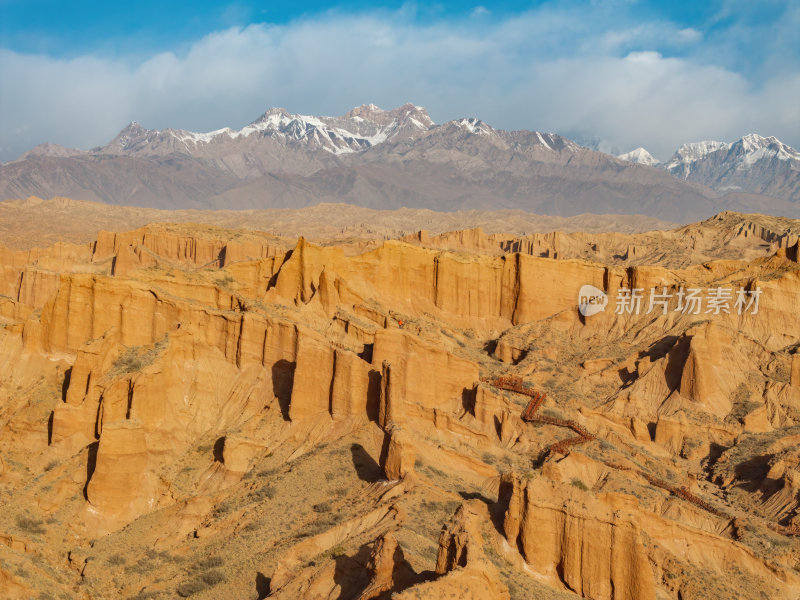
(187, 411)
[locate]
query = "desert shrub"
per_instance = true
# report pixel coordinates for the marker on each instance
(223, 508)
(226, 280)
(206, 575)
(140, 566)
(145, 595)
(169, 558)
(30, 525)
(336, 551)
(263, 493)
(433, 506)
(137, 358)
(431, 470)
(322, 507)
(209, 563)
(579, 484)
(213, 577)
(115, 560)
(190, 588)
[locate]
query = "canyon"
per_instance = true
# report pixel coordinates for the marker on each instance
(222, 410)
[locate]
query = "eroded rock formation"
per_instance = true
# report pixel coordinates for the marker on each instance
(188, 412)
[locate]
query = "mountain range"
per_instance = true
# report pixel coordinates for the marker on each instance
(387, 159)
(757, 164)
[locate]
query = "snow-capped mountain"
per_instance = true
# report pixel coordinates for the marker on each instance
(358, 130)
(740, 155)
(394, 158)
(639, 156)
(473, 125)
(756, 164)
(681, 162)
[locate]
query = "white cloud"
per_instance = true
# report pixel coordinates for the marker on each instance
(545, 70)
(688, 35)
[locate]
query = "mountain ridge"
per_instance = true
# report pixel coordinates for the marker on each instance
(753, 163)
(387, 159)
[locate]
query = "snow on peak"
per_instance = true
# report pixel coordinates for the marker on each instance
(408, 114)
(693, 151)
(132, 136)
(359, 129)
(474, 125)
(741, 154)
(639, 156)
(753, 147)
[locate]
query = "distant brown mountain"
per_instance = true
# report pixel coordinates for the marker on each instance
(368, 157)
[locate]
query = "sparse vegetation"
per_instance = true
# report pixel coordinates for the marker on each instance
(136, 358)
(190, 588)
(322, 507)
(263, 493)
(579, 484)
(209, 563)
(213, 577)
(116, 560)
(328, 471)
(30, 525)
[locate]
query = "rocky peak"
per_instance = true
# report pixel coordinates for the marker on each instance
(473, 125)
(690, 153)
(406, 114)
(753, 147)
(639, 156)
(130, 138)
(49, 149)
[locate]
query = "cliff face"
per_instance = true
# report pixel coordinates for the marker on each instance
(607, 546)
(334, 411)
(590, 547)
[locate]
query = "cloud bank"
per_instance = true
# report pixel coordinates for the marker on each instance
(590, 75)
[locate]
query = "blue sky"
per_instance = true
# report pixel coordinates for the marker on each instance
(622, 73)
